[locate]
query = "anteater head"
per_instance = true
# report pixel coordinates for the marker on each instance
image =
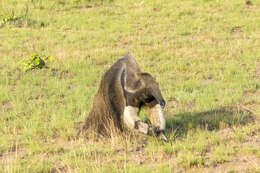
(144, 87)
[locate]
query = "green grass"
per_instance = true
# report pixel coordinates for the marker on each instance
(205, 55)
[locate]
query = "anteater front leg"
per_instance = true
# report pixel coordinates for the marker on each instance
(158, 120)
(157, 117)
(132, 121)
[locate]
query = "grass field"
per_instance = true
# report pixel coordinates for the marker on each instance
(205, 55)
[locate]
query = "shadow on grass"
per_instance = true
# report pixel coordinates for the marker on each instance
(215, 119)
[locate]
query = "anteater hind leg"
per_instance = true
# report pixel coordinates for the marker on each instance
(132, 121)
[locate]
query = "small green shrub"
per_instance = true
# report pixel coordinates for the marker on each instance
(35, 61)
(9, 19)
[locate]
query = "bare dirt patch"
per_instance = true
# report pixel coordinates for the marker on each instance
(9, 158)
(242, 163)
(6, 105)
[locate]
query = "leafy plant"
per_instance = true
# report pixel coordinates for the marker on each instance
(36, 61)
(7, 19)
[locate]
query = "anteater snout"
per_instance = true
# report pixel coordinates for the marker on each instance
(162, 103)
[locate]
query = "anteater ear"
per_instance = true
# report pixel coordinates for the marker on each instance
(145, 76)
(131, 82)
